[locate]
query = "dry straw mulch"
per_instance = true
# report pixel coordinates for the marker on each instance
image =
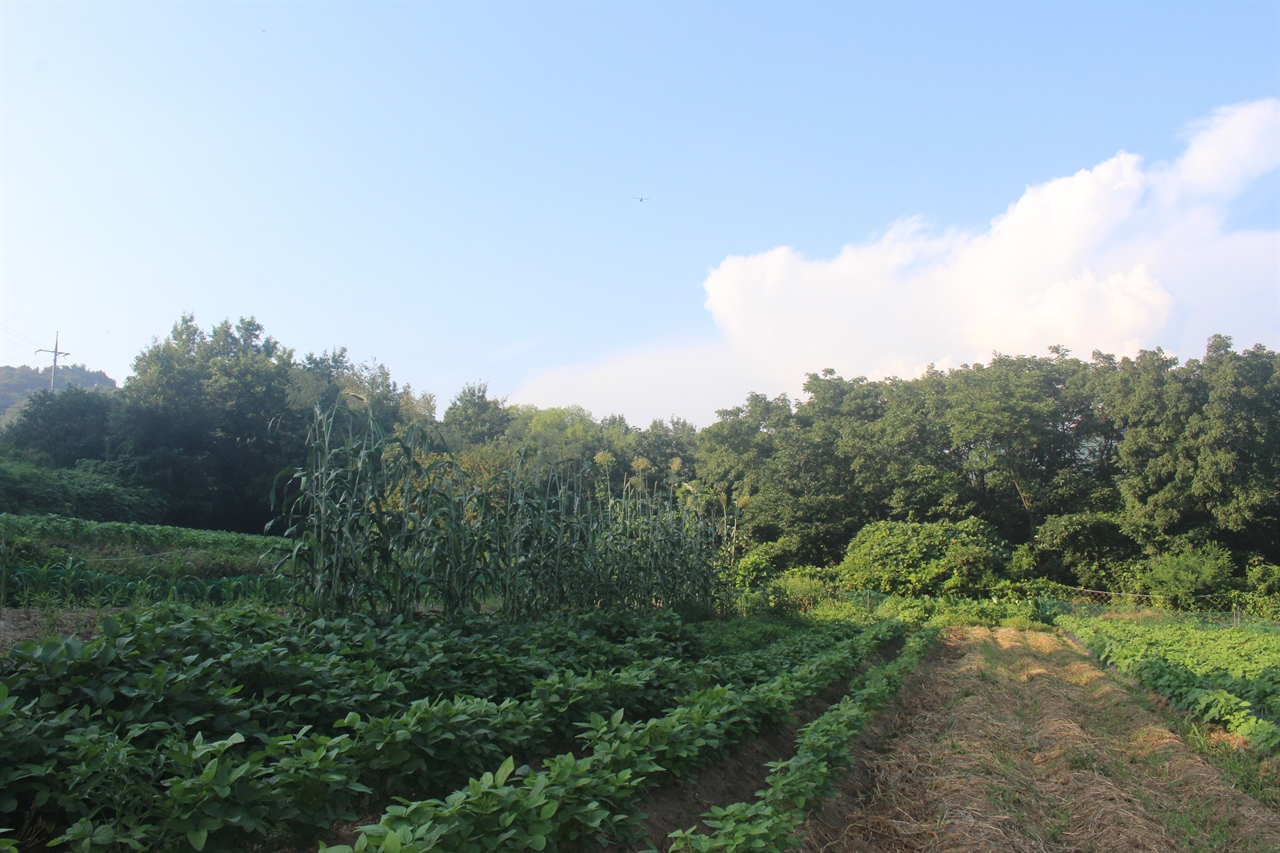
(1018, 741)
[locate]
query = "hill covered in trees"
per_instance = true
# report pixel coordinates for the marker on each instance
(17, 384)
(1083, 471)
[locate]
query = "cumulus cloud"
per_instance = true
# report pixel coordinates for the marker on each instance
(1117, 257)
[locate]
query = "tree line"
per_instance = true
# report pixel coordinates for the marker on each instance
(1084, 471)
(198, 434)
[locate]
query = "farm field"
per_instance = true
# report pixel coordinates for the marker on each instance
(237, 718)
(114, 563)
(177, 730)
(241, 731)
(1223, 675)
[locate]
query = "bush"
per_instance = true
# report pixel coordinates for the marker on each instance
(1185, 571)
(87, 492)
(795, 590)
(765, 561)
(1024, 623)
(1089, 549)
(1263, 578)
(938, 558)
(803, 588)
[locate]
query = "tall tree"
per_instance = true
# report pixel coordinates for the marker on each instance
(206, 420)
(1200, 455)
(64, 428)
(474, 418)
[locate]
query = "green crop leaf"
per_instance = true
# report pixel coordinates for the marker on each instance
(197, 837)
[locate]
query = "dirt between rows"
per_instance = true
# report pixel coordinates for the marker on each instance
(1005, 740)
(735, 778)
(18, 624)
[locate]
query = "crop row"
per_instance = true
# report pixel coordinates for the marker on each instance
(800, 782)
(69, 750)
(593, 798)
(177, 665)
(146, 538)
(1221, 675)
(243, 671)
(300, 782)
(24, 586)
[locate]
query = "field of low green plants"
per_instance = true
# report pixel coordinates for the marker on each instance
(244, 728)
(74, 561)
(1220, 674)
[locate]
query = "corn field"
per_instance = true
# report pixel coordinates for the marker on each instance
(382, 524)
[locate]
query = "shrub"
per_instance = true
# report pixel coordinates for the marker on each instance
(803, 588)
(1186, 571)
(909, 558)
(764, 562)
(1088, 548)
(90, 492)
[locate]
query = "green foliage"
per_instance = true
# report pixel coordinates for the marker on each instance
(909, 558)
(82, 587)
(473, 418)
(796, 786)
(803, 589)
(1229, 676)
(765, 561)
(1093, 463)
(380, 524)
(74, 533)
(64, 427)
(86, 492)
(1009, 611)
(1087, 549)
(18, 384)
(1187, 570)
(1263, 578)
(74, 560)
(1201, 453)
(224, 732)
(205, 420)
(597, 793)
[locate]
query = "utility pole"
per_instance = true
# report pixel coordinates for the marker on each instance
(56, 352)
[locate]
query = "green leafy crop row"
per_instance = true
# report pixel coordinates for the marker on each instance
(797, 784)
(573, 799)
(26, 585)
(173, 722)
(144, 538)
(1229, 676)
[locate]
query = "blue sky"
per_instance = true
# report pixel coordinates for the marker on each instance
(448, 188)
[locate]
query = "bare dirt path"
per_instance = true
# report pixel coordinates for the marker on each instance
(1017, 741)
(18, 624)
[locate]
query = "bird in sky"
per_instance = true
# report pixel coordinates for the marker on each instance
(646, 198)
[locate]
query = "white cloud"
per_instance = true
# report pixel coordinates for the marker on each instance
(1117, 257)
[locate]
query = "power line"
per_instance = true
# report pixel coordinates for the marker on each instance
(56, 352)
(18, 337)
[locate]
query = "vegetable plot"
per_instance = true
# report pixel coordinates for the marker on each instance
(180, 731)
(594, 798)
(1221, 675)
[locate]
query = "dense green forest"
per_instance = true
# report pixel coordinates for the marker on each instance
(1107, 473)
